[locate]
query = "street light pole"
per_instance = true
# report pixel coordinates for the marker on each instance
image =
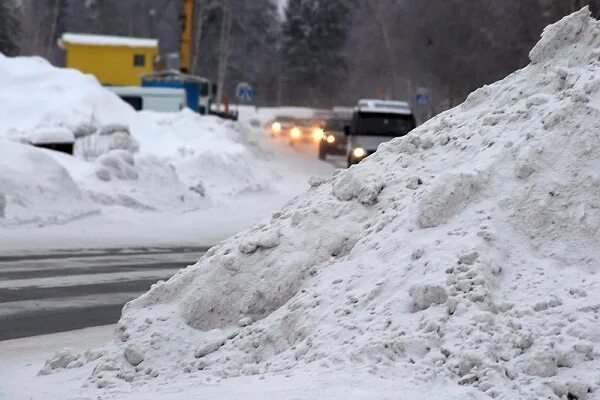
(223, 51)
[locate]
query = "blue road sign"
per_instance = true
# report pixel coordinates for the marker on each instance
(244, 92)
(423, 97)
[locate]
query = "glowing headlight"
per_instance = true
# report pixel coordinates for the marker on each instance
(295, 133)
(318, 134)
(276, 127)
(330, 139)
(359, 152)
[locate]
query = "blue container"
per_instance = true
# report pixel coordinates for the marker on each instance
(177, 80)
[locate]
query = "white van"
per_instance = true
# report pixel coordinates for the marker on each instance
(375, 122)
(151, 98)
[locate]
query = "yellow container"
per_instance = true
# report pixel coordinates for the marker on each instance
(113, 60)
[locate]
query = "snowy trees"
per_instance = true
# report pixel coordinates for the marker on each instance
(313, 40)
(321, 52)
(253, 55)
(9, 28)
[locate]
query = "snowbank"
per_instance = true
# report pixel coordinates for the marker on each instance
(208, 153)
(37, 95)
(34, 188)
(465, 254)
(139, 161)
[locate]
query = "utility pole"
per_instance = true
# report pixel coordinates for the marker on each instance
(223, 50)
(186, 35)
(387, 44)
(197, 40)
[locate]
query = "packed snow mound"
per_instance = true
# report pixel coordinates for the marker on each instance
(37, 95)
(208, 153)
(34, 188)
(143, 161)
(465, 252)
(140, 181)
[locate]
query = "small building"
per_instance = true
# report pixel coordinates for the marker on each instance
(158, 99)
(198, 90)
(114, 60)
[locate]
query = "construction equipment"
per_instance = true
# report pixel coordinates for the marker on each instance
(186, 35)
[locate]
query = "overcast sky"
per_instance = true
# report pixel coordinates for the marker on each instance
(282, 4)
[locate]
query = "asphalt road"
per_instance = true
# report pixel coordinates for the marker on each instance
(61, 291)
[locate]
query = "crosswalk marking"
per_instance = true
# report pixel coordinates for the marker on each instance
(81, 279)
(44, 295)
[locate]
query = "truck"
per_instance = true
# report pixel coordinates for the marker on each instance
(375, 122)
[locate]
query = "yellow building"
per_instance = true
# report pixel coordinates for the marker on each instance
(114, 60)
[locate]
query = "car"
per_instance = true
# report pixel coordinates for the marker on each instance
(306, 131)
(375, 122)
(281, 125)
(334, 140)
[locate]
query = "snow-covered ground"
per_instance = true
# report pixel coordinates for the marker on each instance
(20, 360)
(460, 261)
(137, 179)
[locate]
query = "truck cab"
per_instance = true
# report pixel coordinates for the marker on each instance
(375, 122)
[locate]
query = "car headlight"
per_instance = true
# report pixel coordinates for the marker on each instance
(359, 152)
(276, 127)
(318, 134)
(295, 133)
(330, 139)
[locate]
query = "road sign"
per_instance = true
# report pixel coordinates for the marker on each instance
(244, 92)
(423, 97)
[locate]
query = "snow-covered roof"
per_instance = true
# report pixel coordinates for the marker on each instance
(47, 135)
(150, 91)
(384, 106)
(173, 75)
(105, 40)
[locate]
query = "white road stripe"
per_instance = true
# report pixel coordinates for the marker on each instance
(87, 279)
(107, 299)
(35, 265)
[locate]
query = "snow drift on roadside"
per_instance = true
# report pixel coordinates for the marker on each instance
(34, 188)
(36, 94)
(464, 253)
(142, 161)
(208, 153)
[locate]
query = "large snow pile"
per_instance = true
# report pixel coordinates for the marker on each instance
(34, 188)
(37, 95)
(140, 161)
(465, 253)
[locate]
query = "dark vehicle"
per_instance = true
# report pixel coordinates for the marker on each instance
(334, 139)
(375, 122)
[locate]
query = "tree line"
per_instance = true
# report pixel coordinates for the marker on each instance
(318, 53)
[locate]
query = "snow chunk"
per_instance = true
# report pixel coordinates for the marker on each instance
(118, 164)
(426, 295)
(449, 195)
(349, 186)
(51, 135)
(133, 355)
(265, 240)
(543, 365)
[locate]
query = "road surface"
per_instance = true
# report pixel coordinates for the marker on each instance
(61, 291)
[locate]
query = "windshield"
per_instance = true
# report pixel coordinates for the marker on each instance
(336, 125)
(376, 124)
(204, 89)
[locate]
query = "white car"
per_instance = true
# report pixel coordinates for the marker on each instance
(375, 122)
